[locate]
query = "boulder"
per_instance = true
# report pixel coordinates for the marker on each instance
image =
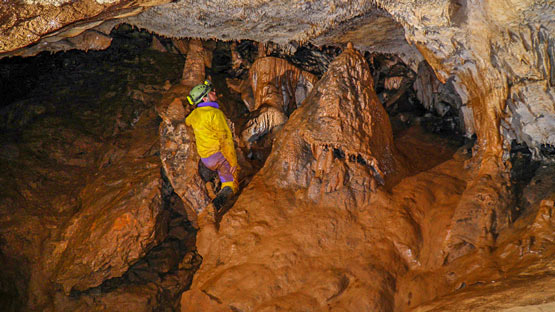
(117, 223)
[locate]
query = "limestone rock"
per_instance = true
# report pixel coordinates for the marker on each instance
(533, 124)
(335, 149)
(182, 45)
(180, 161)
(91, 40)
(197, 59)
(157, 45)
(277, 88)
(172, 107)
(533, 295)
(491, 51)
(529, 285)
(482, 213)
(28, 22)
(237, 61)
(392, 83)
(267, 121)
(81, 179)
(114, 227)
(283, 76)
(177, 141)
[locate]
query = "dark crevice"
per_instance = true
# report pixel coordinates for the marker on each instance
(523, 169)
(338, 153)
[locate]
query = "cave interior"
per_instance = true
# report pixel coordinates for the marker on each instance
(379, 170)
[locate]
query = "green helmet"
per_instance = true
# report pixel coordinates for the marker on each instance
(198, 92)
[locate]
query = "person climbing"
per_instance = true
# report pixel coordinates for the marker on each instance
(213, 139)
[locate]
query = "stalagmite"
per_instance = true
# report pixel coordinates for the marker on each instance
(182, 45)
(334, 151)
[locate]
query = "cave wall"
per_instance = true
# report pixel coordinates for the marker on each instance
(88, 219)
(499, 55)
(498, 52)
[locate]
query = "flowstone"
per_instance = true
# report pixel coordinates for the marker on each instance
(275, 88)
(294, 239)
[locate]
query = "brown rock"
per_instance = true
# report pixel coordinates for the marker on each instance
(91, 40)
(236, 59)
(392, 83)
(281, 75)
(276, 89)
(119, 220)
(481, 214)
(289, 241)
(174, 105)
(425, 85)
(157, 45)
(28, 22)
(182, 45)
(197, 59)
(114, 227)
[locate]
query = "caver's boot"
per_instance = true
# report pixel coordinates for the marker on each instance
(223, 196)
(207, 229)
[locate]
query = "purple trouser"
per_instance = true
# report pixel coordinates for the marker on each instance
(217, 162)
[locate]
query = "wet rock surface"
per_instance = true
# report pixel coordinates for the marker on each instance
(348, 211)
(329, 168)
(273, 90)
(314, 230)
(83, 203)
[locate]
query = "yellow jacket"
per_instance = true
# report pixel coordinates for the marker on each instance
(212, 133)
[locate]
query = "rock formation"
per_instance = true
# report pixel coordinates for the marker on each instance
(83, 202)
(334, 152)
(178, 150)
(312, 231)
(179, 156)
(491, 63)
(198, 58)
(106, 229)
(479, 46)
(274, 89)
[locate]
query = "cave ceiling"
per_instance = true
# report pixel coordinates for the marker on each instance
(29, 27)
